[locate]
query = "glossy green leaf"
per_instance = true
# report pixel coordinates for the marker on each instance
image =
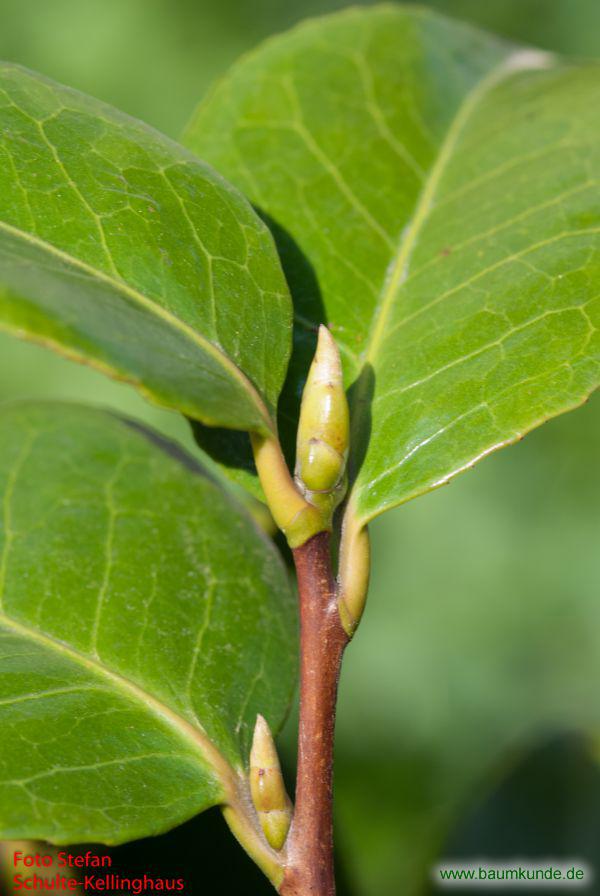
(434, 193)
(482, 640)
(144, 622)
(121, 249)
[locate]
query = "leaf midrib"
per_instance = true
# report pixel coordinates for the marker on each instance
(139, 298)
(519, 60)
(196, 736)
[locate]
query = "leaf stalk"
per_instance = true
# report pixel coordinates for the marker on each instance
(297, 518)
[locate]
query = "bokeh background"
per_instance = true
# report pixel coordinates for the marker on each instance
(469, 718)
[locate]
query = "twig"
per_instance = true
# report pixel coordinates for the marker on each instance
(309, 852)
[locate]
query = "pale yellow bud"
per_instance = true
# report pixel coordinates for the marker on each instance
(272, 804)
(323, 429)
(353, 575)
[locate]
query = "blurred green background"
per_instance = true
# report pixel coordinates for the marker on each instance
(469, 720)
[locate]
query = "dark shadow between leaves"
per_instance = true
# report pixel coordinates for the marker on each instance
(229, 447)
(360, 398)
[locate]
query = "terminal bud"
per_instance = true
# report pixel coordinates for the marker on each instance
(323, 430)
(272, 804)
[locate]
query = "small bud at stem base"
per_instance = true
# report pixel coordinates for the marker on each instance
(354, 572)
(272, 804)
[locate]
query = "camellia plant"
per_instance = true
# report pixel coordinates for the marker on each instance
(396, 220)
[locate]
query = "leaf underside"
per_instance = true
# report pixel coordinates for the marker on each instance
(434, 194)
(121, 249)
(144, 622)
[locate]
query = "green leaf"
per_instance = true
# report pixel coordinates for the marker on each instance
(434, 193)
(482, 642)
(144, 622)
(121, 249)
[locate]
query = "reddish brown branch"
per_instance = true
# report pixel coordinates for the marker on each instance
(309, 870)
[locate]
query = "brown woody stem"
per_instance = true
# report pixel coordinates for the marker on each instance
(309, 851)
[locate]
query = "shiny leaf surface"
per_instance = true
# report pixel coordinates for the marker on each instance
(121, 249)
(434, 192)
(144, 623)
